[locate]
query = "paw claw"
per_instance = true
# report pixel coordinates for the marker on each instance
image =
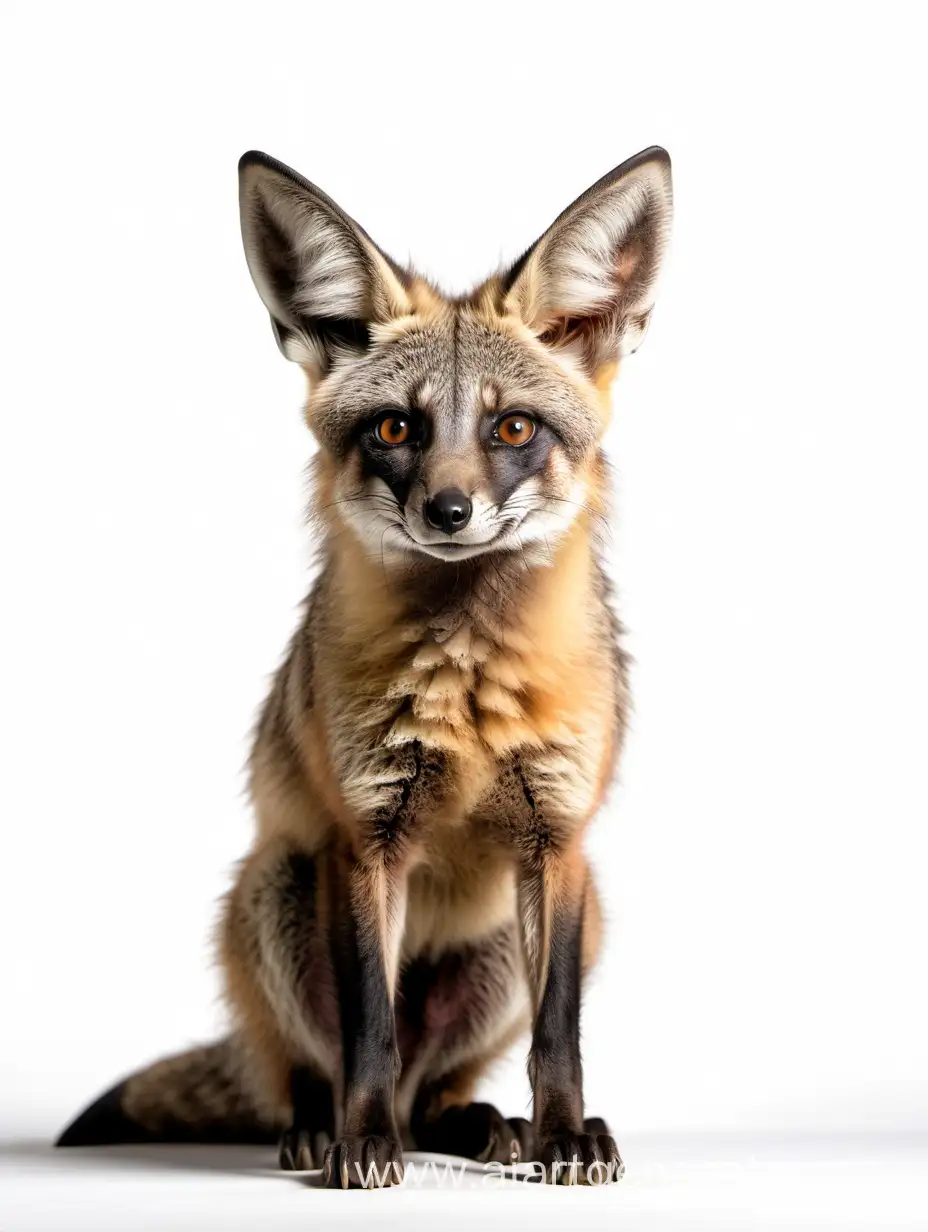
(296, 1153)
(581, 1159)
(373, 1161)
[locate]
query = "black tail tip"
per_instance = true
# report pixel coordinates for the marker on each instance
(104, 1123)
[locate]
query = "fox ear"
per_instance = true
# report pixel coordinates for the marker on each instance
(321, 277)
(588, 284)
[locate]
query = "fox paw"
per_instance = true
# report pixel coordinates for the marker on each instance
(363, 1162)
(589, 1158)
(302, 1150)
(478, 1131)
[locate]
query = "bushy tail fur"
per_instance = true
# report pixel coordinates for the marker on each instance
(197, 1096)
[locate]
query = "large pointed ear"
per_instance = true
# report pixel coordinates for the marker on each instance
(321, 277)
(588, 284)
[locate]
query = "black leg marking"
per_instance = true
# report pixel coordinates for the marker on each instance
(556, 1070)
(570, 1150)
(368, 1153)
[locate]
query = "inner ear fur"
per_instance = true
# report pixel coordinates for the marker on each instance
(319, 274)
(588, 284)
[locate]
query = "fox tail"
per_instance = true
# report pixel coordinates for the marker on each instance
(201, 1095)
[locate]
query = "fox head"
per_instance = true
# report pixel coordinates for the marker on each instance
(452, 428)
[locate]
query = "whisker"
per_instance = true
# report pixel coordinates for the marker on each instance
(594, 513)
(388, 502)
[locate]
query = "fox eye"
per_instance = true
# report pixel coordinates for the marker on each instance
(515, 429)
(394, 429)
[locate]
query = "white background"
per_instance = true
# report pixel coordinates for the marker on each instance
(763, 860)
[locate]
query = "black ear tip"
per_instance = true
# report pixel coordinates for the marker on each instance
(653, 154)
(255, 166)
(254, 158)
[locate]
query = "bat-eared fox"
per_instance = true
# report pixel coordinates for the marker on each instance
(448, 715)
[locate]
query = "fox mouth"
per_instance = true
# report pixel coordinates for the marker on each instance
(450, 550)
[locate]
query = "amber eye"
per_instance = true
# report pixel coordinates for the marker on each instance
(515, 429)
(394, 430)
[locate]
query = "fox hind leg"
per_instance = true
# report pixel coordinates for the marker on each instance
(304, 1143)
(280, 983)
(307, 963)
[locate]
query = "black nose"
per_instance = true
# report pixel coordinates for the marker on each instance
(448, 510)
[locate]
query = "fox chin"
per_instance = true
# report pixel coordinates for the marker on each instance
(448, 716)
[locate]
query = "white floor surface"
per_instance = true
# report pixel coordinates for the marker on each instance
(684, 1182)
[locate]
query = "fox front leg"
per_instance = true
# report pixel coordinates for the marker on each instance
(367, 1152)
(369, 893)
(553, 893)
